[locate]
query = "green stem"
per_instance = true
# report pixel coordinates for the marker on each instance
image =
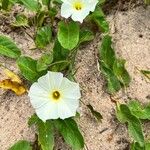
(58, 62)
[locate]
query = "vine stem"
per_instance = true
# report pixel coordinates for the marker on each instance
(58, 62)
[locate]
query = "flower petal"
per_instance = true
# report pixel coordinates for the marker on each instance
(79, 15)
(48, 111)
(91, 4)
(49, 108)
(54, 79)
(66, 10)
(67, 108)
(38, 96)
(70, 89)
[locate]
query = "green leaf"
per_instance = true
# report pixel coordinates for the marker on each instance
(46, 2)
(32, 5)
(138, 110)
(60, 58)
(44, 61)
(27, 67)
(70, 132)
(5, 4)
(59, 53)
(85, 36)
(146, 73)
(120, 72)
(112, 68)
(21, 20)
(43, 36)
(53, 12)
(113, 84)
(45, 132)
(135, 130)
(59, 66)
(68, 34)
(147, 146)
(120, 115)
(134, 124)
(46, 135)
(101, 2)
(136, 146)
(8, 47)
(33, 120)
(99, 18)
(21, 145)
(147, 2)
(96, 114)
(107, 54)
(57, 1)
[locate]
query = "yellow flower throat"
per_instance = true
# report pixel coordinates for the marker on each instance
(56, 95)
(78, 5)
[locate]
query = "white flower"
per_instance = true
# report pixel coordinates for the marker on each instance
(77, 9)
(54, 96)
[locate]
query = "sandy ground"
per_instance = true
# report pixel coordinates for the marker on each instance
(131, 35)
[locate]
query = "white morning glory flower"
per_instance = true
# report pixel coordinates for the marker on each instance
(54, 96)
(77, 9)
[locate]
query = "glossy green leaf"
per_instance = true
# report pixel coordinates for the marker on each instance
(44, 61)
(21, 145)
(46, 135)
(85, 36)
(27, 67)
(8, 47)
(113, 84)
(33, 120)
(120, 116)
(134, 124)
(99, 18)
(68, 34)
(60, 58)
(120, 72)
(138, 110)
(107, 54)
(112, 68)
(21, 20)
(59, 53)
(136, 146)
(135, 130)
(96, 114)
(43, 36)
(32, 5)
(45, 132)
(70, 132)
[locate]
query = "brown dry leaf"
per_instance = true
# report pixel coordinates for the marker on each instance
(14, 86)
(13, 83)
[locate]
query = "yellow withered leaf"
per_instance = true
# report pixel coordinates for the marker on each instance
(12, 85)
(12, 76)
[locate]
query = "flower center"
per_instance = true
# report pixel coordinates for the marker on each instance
(56, 95)
(78, 5)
